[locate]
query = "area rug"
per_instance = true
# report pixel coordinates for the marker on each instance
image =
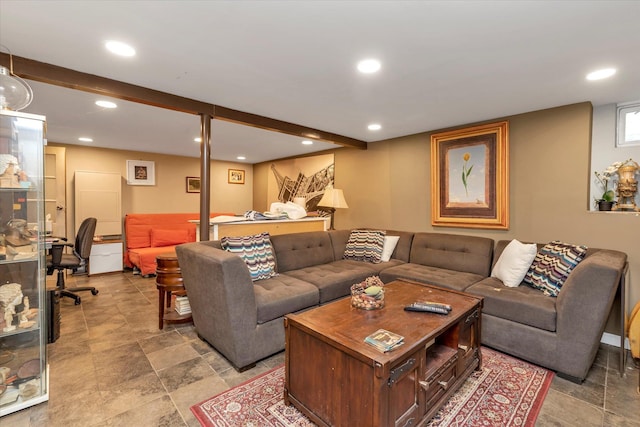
(507, 392)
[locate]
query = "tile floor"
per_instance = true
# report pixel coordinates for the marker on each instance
(112, 366)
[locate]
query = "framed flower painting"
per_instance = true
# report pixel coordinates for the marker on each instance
(470, 177)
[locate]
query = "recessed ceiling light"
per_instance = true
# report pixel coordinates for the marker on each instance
(198, 139)
(241, 158)
(120, 48)
(85, 139)
(307, 142)
(369, 66)
(601, 74)
(106, 104)
(374, 126)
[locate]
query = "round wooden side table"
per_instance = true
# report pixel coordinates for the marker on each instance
(169, 282)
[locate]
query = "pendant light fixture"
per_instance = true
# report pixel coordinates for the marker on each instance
(15, 93)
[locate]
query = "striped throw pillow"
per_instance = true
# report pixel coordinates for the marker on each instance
(365, 245)
(552, 265)
(256, 251)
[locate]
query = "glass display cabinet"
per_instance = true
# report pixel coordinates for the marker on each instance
(23, 329)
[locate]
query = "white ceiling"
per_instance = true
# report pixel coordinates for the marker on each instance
(444, 63)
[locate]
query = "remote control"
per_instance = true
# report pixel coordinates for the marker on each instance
(416, 306)
(437, 304)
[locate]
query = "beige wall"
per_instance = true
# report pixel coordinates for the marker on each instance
(388, 186)
(169, 194)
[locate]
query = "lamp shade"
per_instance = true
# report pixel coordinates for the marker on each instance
(333, 198)
(15, 93)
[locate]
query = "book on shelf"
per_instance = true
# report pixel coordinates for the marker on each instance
(384, 340)
(182, 300)
(182, 305)
(183, 310)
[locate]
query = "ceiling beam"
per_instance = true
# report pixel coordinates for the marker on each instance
(60, 76)
(249, 119)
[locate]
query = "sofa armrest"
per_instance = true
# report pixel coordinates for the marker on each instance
(584, 303)
(221, 296)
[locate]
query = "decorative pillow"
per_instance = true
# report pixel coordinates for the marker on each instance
(514, 262)
(552, 266)
(365, 245)
(161, 237)
(256, 251)
(390, 243)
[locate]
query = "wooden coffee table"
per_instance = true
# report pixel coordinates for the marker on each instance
(336, 379)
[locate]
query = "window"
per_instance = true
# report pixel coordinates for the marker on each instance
(628, 124)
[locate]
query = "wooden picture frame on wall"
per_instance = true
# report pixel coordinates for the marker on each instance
(235, 176)
(470, 177)
(140, 172)
(193, 184)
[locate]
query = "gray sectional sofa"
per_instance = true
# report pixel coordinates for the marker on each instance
(243, 320)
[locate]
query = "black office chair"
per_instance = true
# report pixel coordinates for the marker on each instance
(58, 260)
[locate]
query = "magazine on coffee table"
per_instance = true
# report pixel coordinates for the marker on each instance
(384, 340)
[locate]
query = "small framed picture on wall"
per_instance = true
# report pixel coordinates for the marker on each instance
(193, 184)
(236, 176)
(140, 172)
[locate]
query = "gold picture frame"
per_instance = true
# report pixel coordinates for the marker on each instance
(193, 184)
(235, 176)
(470, 177)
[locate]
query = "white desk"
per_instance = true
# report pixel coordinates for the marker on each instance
(274, 227)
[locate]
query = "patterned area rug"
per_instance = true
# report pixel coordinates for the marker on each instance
(507, 392)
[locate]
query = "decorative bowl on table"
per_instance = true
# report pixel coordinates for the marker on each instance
(368, 294)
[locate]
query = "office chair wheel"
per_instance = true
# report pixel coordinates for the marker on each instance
(94, 292)
(77, 301)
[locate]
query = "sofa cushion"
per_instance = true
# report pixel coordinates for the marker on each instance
(333, 279)
(442, 277)
(402, 250)
(514, 262)
(138, 226)
(365, 245)
(552, 265)
(282, 295)
(390, 243)
(256, 251)
(471, 254)
(300, 250)
(145, 258)
(375, 268)
(161, 237)
(522, 304)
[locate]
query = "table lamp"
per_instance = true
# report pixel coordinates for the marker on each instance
(332, 199)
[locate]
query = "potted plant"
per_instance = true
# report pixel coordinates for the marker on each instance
(606, 201)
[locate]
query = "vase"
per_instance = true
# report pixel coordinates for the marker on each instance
(605, 205)
(627, 187)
